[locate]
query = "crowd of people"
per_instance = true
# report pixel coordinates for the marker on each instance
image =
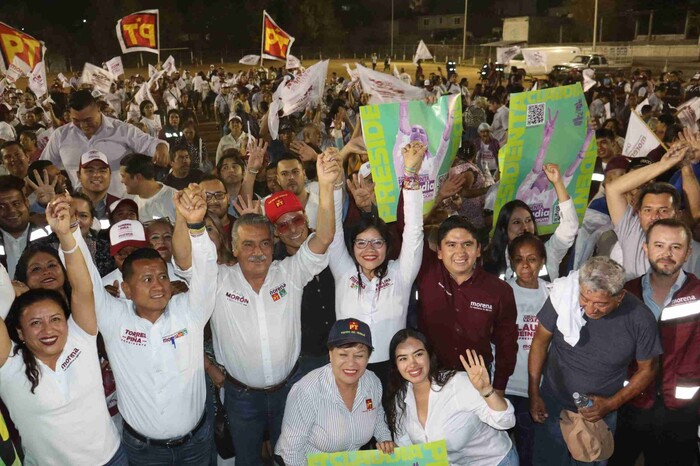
(141, 272)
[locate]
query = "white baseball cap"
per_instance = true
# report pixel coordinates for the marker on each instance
(126, 233)
(92, 156)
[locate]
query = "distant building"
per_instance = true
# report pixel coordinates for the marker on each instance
(430, 23)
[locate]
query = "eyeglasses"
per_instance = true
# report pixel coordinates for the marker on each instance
(363, 243)
(297, 222)
(218, 195)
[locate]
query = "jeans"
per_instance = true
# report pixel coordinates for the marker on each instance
(511, 459)
(196, 451)
(250, 413)
(524, 430)
(120, 458)
(550, 448)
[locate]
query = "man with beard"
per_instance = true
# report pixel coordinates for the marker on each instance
(662, 421)
(218, 202)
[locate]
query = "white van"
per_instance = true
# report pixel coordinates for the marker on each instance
(554, 56)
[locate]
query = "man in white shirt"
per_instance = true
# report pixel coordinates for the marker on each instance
(155, 343)
(499, 127)
(89, 129)
(236, 139)
(257, 323)
(154, 199)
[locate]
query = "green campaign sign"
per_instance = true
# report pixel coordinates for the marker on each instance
(547, 126)
(387, 128)
(424, 454)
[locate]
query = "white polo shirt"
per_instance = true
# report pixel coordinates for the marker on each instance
(65, 420)
(383, 307)
(116, 275)
(159, 367)
(257, 336)
(316, 419)
(475, 434)
(114, 138)
(157, 206)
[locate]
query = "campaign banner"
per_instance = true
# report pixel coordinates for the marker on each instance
(276, 42)
(639, 138)
(292, 62)
(100, 79)
(250, 60)
(535, 58)
(115, 66)
(17, 69)
(138, 32)
(169, 65)
(547, 126)
(37, 80)
(15, 43)
(385, 88)
(505, 54)
(422, 454)
(688, 113)
(387, 128)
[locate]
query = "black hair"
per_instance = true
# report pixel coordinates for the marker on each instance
(672, 132)
(143, 104)
(173, 110)
(667, 119)
(84, 197)
(646, 109)
(11, 183)
(21, 303)
(671, 223)
(604, 133)
(527, 238)
(495, 252)
(230, 154)
(139, 254)
(37, 165)
(32, 250)
(139, 164)
(80, 100)
(364, 224)
(28, 133)
(397, 386)
(10, 143)
(211, 177)
(660, 188)
(453, 222)
(289, 156)
(351, 345)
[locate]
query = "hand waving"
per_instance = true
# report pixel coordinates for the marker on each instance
(44, 189)
(304, 150)
(476, 370)
(363, 192)
(58, 215)
(256, 155)
(247, 206)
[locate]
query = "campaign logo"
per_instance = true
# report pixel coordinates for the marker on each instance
(279, 292)
(481, 306)
(134, 338)
(353, 325)
(173, 336)
(369, 405)
(237, 298)
(70, 358)
(355, 283)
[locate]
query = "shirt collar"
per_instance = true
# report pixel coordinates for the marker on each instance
(646, 281)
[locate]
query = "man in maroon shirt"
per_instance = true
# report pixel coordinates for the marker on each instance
(460, 306)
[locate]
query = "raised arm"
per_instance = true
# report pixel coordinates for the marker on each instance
(82, 295)
(615, 190)
(412, 244)
(404, 123)
(329, 174)
(182, 246)
(255, 164)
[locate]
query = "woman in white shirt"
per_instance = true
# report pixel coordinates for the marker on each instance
(150, 119)
(367, 284)
(50, 376)
(527, 256)
(426, 404)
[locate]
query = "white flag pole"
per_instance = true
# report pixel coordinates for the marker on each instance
(158, 26)
(262, 40)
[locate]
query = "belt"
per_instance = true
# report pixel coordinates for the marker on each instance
(270, 389)
(171, 442)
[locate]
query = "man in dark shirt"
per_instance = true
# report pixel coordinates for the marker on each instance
(460, 306)
(590, 330)
(287, 215)
(181, 175)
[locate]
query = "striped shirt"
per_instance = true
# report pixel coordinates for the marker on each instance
(316, 419)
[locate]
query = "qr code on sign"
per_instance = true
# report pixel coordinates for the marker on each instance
(535, 114)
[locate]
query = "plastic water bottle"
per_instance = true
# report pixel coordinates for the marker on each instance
(581, 400)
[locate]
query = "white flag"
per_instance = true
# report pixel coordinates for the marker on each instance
(588, 79)
(689, 112)
(169, 65)
(505, 54)
(17, 69)
(37, 80)
(383, 88)
(638, 108)
(151, 70)
(534, 58)
(352, 73)
(535, 86)
(640, 139)
(115, 66)
(292, 62)
(608, 111)
(99, 78)
(422, 53)
(297, 94)
(250, 60)
(397, 75)
(64, 80)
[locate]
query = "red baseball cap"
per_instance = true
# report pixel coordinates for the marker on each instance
(280, 203)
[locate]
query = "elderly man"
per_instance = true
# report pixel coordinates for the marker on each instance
(88, 130)
(256, 325)
(590, 331)
(662, 422)
(487, 148)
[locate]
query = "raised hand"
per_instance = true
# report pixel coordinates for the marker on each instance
(328, 169)
(362, 191)
(44, 189)
(677, 153)
(306, 153)
(191, 203)
(693, 140)
(476, 370)
(451, 186)
(256, 155)
(413, 153)
(551, 170)
(247, 206)
(58, 215)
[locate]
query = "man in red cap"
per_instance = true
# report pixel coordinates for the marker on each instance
(291, 225)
